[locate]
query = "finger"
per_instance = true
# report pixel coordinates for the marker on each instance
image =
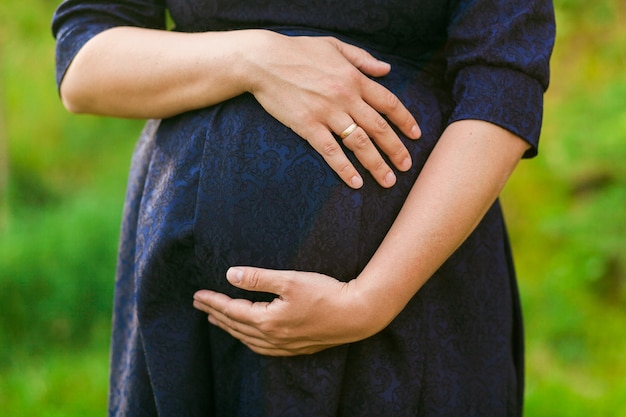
(355, 138)
(287, 352)
(232, 315)
(215, 303)
(256, 344)
(274, 351)
(359, 142)
(246, 333)
(279, 351)
(262, 344)
(389, 104)
(249, 335)
(261, 280)
(383, 135)
(252, 335)
(211, 302)
(385, 102)
(362, 59)
(323, 141)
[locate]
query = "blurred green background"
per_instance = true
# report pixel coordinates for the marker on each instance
(62, 181)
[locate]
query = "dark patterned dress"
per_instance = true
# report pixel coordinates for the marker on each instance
(229, 185)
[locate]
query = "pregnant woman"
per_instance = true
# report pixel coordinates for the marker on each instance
(347, 267)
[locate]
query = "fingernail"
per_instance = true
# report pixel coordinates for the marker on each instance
(416, 132)
(234, 275)
(406, 164)
(390, 179)
(356, 182)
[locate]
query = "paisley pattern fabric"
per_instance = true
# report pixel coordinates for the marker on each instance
(229, 185)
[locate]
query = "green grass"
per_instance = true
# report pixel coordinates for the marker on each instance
(567, 215)
(61, 195)
(62, 188)
(59, 384)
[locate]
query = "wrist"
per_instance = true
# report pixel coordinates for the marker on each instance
(254, 46)
(371, 307)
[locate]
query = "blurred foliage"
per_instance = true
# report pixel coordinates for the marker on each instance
(567, 215)
(62, 180)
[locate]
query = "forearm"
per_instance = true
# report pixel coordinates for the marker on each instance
(462, 178)
(144, 73)
(317, 86)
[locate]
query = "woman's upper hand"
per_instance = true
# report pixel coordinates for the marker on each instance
(319, 87)
(312, 312)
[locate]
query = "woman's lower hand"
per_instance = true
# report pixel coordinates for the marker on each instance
(311, 312)
(319, 87)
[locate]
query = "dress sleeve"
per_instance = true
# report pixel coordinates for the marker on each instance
(498, 54)
(75, 22)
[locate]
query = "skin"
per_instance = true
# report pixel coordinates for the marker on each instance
(133, 72)
(460, 181)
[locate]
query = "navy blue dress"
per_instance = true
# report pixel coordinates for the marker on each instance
(229, 185)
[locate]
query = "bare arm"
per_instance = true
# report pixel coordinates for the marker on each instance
(315, 86)
(144, 73)
(462, 178)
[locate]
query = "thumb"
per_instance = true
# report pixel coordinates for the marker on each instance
(363, 60)
(257, 279)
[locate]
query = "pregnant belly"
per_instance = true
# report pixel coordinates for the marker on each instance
(264, 197)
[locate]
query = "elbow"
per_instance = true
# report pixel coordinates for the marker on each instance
(73, 99)
(71, 105)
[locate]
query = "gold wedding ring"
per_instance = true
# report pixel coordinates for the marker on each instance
(348, 131)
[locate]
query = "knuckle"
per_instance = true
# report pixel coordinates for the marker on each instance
(353, 74)
(360, 140)
(275, 334)
(288, 281)
(227, 315)
(381, 124)
(253, 279)
(266, 327)
(399, 151)
(330, 148)
(341, 91)
(380, 166)
(345, 170)
(391, 101)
